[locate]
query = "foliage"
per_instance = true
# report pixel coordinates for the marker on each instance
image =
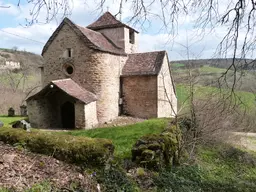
(214, 171)
(124, 137)
(179, 179)
(115, 179)
(41, 187)
(79, 150)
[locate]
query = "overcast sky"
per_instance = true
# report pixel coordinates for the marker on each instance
(14, 33)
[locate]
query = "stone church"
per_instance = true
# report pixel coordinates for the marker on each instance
(94, 74)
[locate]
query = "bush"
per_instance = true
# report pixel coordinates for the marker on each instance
(179, 179)
(115, 179)
(196, 179)
(238, 155)
(72, 149)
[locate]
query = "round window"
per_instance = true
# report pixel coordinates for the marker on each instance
(68, 69)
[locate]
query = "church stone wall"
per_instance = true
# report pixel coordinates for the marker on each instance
(90, 111)
(167, 100)
(105, 78)
(120, 36)
(130, 47)
(79, 115)
(140, 96)
(96, 71)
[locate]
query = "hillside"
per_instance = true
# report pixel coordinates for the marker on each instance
(16, 83)
(28, 61)
(205, 75)
(246, 64)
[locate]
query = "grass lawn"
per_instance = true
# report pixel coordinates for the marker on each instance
(124, 137)
(207, 69)
(176, 65)
(247, 98)
(7, 120)
(228, 165)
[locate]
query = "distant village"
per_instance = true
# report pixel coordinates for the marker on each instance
(8, 64)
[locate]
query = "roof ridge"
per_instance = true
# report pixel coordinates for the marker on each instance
(69, 79)
(88, 40)
(147, 63)
(107, 20)
(147, 52)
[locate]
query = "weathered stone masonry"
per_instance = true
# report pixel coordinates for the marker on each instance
(91, 75)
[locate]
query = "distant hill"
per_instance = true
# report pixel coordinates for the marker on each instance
(246, 64)
(27, 60)
(16, 84)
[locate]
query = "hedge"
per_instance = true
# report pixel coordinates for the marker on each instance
(72, 149)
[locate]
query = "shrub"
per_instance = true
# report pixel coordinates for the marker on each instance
(179, 179)
(72, 149)
(196, 179)
(115, 179)
(238, 155)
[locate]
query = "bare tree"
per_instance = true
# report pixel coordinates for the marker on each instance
(236, 17)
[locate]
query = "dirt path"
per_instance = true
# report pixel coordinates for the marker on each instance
(21, 170)
(245, 140)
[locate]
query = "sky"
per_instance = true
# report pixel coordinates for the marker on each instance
(15, 33)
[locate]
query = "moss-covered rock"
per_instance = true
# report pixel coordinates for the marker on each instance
(73, 149)
(157, 151)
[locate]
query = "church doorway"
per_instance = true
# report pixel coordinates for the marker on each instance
(68, 115)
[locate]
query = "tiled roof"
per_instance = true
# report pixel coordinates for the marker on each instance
(148, 63)
(74, 90)
(107, 20)
(69, 87)
(100, 41)
(92, 39)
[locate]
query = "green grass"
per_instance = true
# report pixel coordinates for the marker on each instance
(176, 65)
(124, 137)
(7, 120)
(207, 69)
(219, 168)
(247, 98)
(203, 70)
(226, 164)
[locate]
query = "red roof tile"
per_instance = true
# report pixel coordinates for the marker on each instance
(107, 20)
(74, 90)
(100, 41)
(92, 39)
(148, 63)
(69, 87)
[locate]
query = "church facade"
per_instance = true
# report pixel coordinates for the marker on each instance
(93, 74)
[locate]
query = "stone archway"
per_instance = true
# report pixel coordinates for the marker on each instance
(68, 115)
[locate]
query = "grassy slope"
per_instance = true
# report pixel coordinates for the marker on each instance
(7, 120)
(228, 165)
(207, 76)
(124, 137)
(247, 98)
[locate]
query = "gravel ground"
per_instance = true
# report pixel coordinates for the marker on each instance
(20, 170)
